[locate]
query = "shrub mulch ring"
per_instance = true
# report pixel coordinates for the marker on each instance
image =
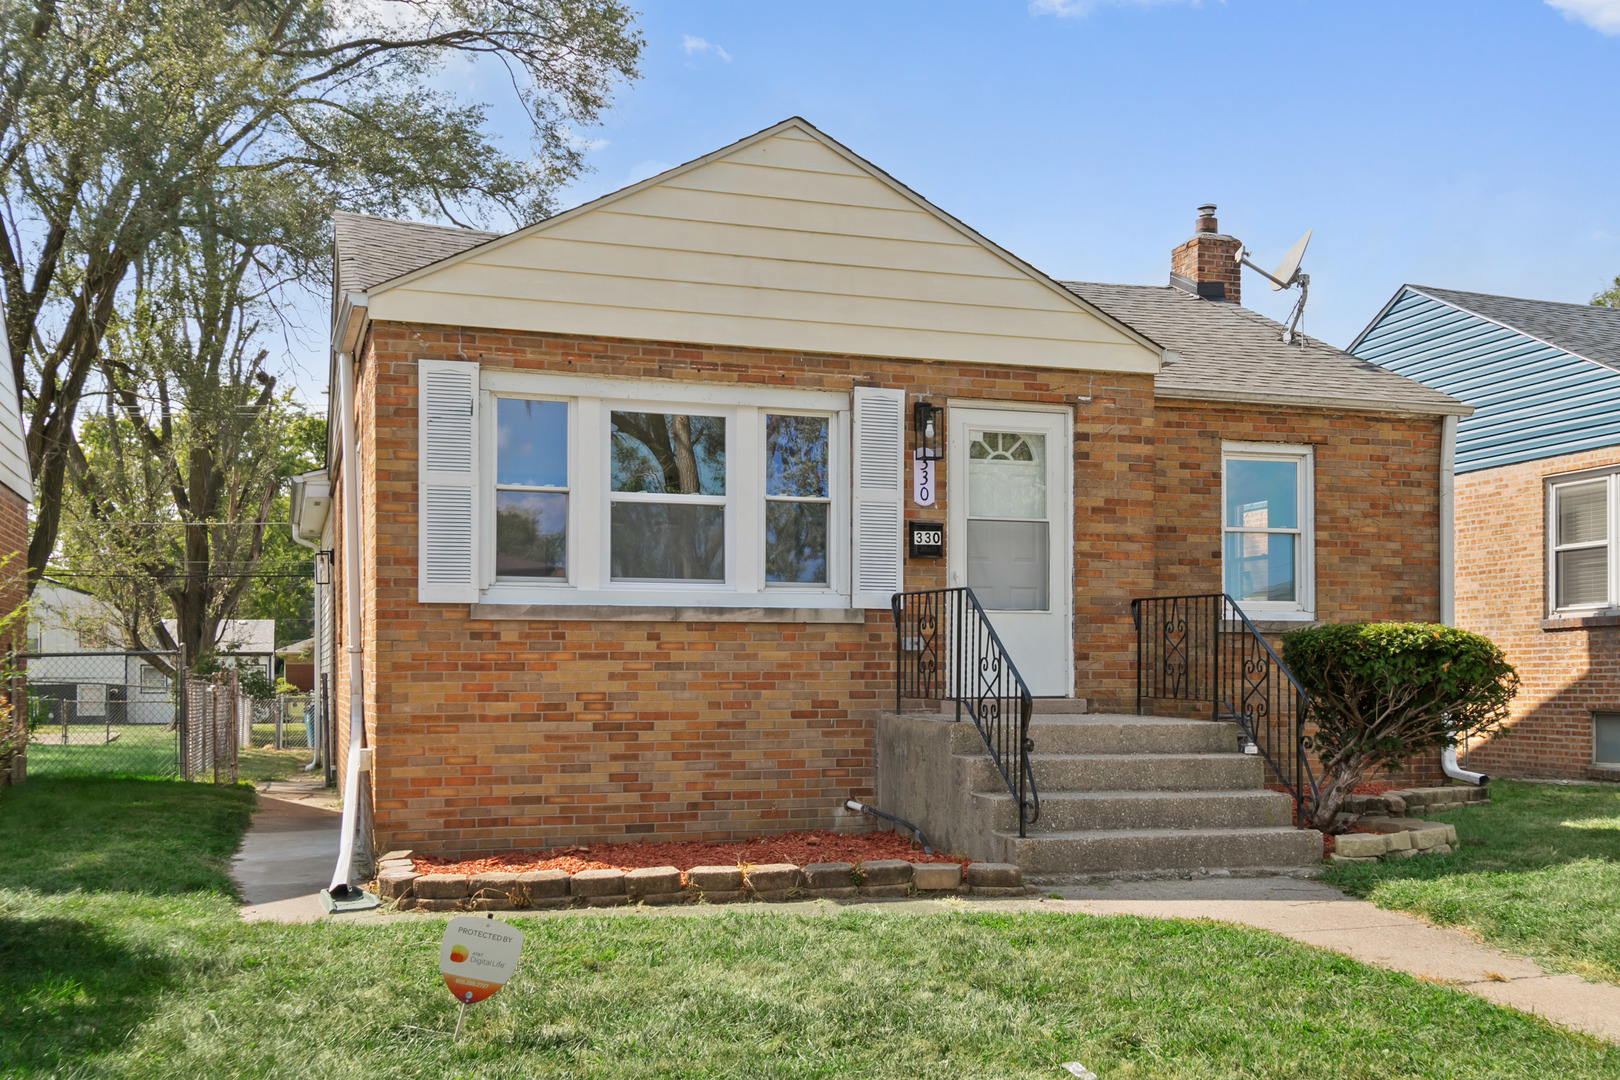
(798, 848)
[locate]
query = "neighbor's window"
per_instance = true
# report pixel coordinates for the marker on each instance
(1266, 550)
(1606, 738)
(153, 680)
(1580, 529)
(531, 488)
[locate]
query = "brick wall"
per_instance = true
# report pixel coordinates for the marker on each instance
(493, 734)
(13, 575)
(1209, 257)
(1502, 593)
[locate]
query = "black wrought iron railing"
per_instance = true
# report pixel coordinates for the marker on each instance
(946, 650)
(1204, 648)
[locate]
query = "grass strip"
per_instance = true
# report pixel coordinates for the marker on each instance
(1536, 872)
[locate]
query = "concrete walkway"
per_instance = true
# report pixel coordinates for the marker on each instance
(288, 854)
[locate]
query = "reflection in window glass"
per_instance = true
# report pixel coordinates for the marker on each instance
(1262, 494)
(655, 541)
(796, 542)
(796, 456)
(1260, 566)
(669, 454)
(1007, 475)
(531, 443)
(796, 499)
(1607, 739)
(531, 534)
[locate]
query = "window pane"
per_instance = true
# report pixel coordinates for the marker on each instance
(1008, 564)
(531, 443)
(1583, 577)
(796, 456)
(1608, 739)
(531, 534)
(1262, 494)
(1583, 513)
(671, 454)
(796, 542)
(1260, 566)
(1006, 475)
(664, 541)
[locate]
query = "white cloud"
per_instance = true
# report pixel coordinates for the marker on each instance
(698, 45)
(1601, 15)
(1078, 8)
(576, 141)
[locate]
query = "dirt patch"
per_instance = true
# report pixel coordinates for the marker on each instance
(799, 848)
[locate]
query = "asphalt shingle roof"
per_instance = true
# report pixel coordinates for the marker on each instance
(372, 250)
(1591, 332)
(1230, 353)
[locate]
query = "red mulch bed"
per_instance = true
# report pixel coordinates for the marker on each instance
(799, 848)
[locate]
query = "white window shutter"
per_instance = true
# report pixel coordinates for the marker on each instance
(879, 486)
(447, 401)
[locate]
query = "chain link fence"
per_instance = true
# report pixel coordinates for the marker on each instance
(103, 713)
(214, 714)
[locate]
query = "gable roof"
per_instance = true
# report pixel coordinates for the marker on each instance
(1585, 330)
(1229, 353)
(784, 239)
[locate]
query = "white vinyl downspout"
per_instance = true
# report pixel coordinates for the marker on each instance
(1448, 570)
(351, 584)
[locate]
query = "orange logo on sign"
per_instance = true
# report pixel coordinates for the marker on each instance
(458, 953)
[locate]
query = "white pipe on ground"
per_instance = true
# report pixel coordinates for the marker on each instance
(351, 581)
(1449, 766)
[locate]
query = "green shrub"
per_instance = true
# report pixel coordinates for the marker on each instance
(1382, 692)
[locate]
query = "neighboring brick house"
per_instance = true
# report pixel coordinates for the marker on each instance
(633, 484)
(1536, 506)
(16, 495)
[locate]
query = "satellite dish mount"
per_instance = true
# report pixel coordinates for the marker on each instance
(1287, 275)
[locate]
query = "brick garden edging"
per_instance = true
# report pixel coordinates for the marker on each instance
(398, 881)
(1395, 833)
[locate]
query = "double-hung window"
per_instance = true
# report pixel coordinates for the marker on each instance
(612, 492)
(1580, 528)
(1267, 562)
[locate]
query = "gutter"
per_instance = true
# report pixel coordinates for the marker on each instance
(1448, 573)
(1311, 401)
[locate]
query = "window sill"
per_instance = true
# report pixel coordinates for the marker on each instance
(1580, 622)
(619, 613)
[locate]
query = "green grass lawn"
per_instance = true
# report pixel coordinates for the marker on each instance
(1537, 872)
(149, 750)
(121, 956)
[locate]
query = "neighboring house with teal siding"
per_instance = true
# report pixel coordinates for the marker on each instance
(1537, 506)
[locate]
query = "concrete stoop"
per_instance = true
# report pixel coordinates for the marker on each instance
(1121, 797)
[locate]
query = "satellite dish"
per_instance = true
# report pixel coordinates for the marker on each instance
(1286, 269)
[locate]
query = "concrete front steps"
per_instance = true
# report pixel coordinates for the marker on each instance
(1120, 795)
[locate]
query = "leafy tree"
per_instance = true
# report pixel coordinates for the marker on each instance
(282, 586)
(1609, 297)
(1382, 692)
(119, 120)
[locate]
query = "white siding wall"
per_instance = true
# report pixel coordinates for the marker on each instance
(784, 242)
(14, 472)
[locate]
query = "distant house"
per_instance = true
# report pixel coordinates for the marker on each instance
(1537, 505)
(78, 666)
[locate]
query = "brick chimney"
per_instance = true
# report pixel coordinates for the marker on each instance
(1206, 265)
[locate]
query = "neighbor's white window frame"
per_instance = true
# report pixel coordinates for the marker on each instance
(1611, 474)
(591, 402)
(1303, 607)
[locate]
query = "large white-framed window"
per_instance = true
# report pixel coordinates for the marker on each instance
(609, 491)
(1268, 560)
(1581, 525)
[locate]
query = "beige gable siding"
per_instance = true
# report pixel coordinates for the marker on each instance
(782, 243)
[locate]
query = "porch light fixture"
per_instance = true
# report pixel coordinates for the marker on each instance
(927, 428)
(323, 567)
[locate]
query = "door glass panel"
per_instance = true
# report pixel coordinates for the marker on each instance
(1583, 513)
(1260, 566)
(1262, 494)
(531, 534)
(1008, 564)
(1006, 475)
(668, 542)
(1583, 577)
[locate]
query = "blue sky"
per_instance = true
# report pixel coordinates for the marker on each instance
(1472, 144)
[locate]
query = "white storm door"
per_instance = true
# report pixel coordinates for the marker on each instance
(1009, 519)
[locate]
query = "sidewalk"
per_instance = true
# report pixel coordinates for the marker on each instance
(288, 854)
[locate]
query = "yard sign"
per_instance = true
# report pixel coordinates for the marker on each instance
(477, 956)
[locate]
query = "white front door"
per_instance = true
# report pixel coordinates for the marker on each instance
(1009, 518)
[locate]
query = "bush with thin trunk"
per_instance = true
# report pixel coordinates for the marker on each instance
(1384, 692)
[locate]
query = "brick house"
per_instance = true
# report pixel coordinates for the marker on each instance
(1536, 503)
(633, 487)
(16, 494)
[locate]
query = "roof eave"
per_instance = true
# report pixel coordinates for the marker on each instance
(1312, 401)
